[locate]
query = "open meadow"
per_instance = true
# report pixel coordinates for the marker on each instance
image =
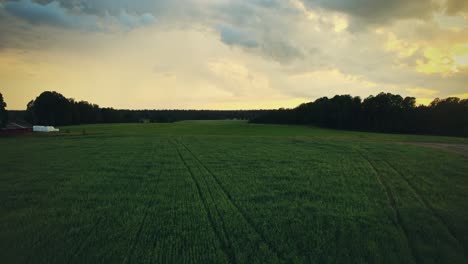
(230, 191)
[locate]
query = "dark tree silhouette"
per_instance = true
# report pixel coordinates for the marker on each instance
(3, 112)
(384, 112)
(52, 108)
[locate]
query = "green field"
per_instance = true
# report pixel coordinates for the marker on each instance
(229, 191)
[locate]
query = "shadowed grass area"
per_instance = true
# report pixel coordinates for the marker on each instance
(229, 191)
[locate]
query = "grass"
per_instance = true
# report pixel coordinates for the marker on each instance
(229, 191)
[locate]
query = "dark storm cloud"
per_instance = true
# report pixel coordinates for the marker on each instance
(281, 51)
(115, 7)
(378, 11)
(26, 24)
(259, 26)
(267, 46)
(50, 14)
(457, 6)
(232, 36)
(76, 14)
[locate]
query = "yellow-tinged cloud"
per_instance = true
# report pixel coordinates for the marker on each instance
(301, 7)
(428, 100)
(261, 104)
(340, 23)
(423, 100)
(423, 96)
(330, 82)
(455, 23)
(461, 96)
(418, 91)
(444, 61)
(460, 55)
(238, 78)
(402, 48)
(174, 65)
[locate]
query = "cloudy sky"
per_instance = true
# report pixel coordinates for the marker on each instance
(231, 54)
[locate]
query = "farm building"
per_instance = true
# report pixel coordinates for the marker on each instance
(45, 129)
(15, 128)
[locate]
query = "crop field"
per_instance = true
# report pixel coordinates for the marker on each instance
(231, 192)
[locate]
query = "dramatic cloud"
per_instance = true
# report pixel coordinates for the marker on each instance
(69, 16)
(457, 7)
(50, 14)
(232, 36)
(379, 11)
(231, 53)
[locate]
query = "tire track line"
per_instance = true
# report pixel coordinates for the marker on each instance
(83, 241)
(137, 235)
(146, 212)
(39, 243)
(393, 206)
(427, 205)
(224, 246)
(153, 245)
(249, 221)
(223, 224)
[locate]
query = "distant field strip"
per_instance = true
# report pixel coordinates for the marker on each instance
(230, 192)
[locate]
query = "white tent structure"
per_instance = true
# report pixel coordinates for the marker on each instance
(46, 129)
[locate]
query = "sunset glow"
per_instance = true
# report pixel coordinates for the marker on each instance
(228, 54)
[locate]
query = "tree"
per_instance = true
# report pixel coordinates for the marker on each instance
(51, 108)
(384, 112)
(3, 112)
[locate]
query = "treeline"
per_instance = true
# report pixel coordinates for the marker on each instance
(3, 112)
(385, 112)
(52, 108)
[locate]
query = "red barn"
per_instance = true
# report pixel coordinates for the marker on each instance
(16, 128)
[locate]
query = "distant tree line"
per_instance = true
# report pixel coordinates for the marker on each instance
(52, 108)
(384, 112)
(3, 112)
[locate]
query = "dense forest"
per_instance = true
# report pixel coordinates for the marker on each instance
(52, 108)
(384, 112)
(3, 112)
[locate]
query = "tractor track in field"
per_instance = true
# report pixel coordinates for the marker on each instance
(426, 204)
(39, 243)
(223, 224)
(83, 241)
(227, 249)
(393, 206)
(240, 211)
(137, 238)
(137, 235)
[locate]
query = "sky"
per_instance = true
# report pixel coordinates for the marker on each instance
(231, 54)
